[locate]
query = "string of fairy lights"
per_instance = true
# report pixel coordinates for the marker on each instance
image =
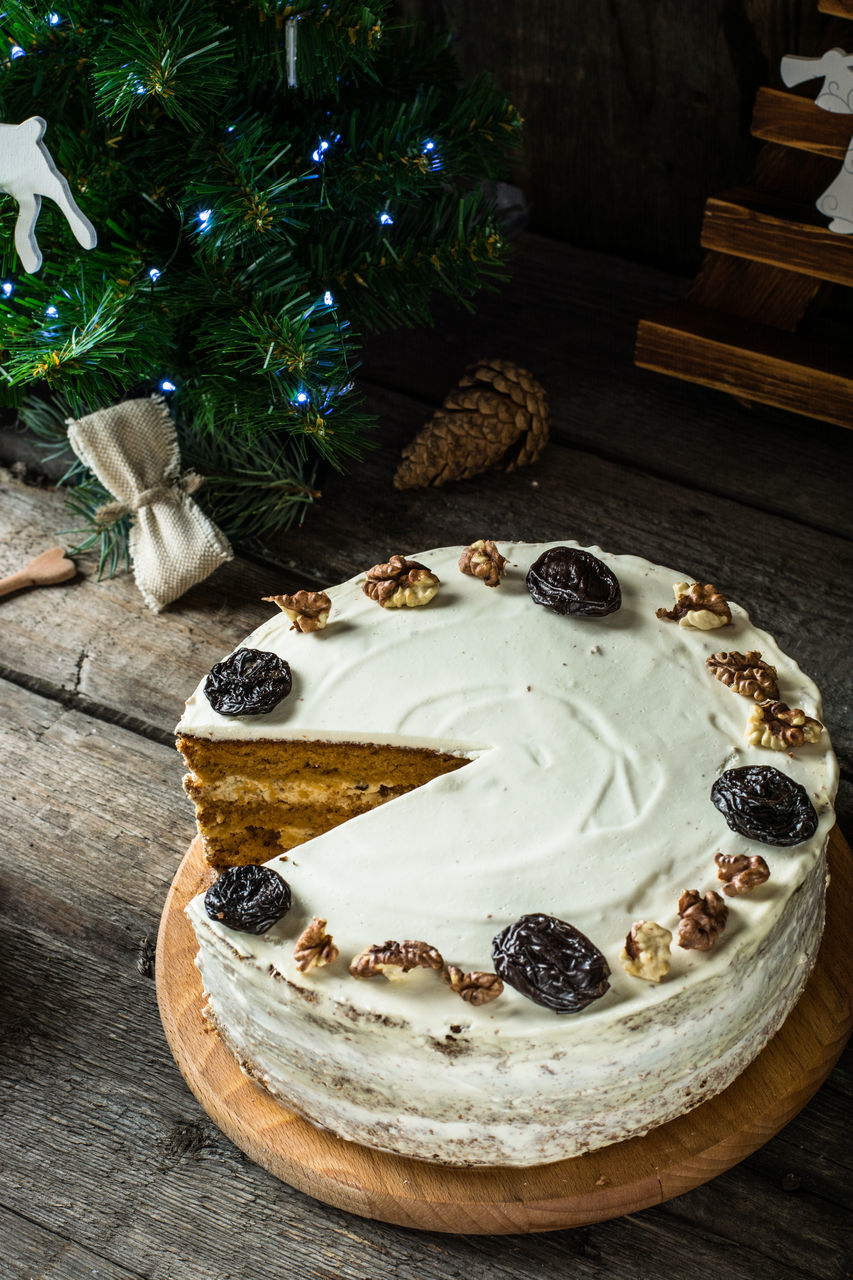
(205, 218)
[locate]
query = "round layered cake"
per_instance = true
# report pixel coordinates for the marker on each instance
(476, 970)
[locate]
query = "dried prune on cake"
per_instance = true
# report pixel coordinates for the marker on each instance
(249, 898)
(249, 682)
(551, 962)
(762, 803)
(567, 581)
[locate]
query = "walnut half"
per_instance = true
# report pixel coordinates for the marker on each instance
(394, 959)
(483, 560)
(477, 988)
(314, 947)
(307, 610)
(776, 725)
(646, 951)
(747, 673)
(741, 872)
(702, 919)
(700, 605)
(400, 583)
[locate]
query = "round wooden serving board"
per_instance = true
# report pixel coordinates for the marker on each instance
(591, 1188)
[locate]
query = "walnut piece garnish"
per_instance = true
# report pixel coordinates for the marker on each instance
(747, 673)
(483, 560)
(646, 951)
(307, 610)
(476, 988)
(741, 872)
(702, 919)
(775, 725)
(314, 947)
(399, 583)
(699, 605)
(395, 959)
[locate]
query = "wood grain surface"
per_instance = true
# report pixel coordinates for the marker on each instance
(110, 1169)
(603, 1184)
(634, 110)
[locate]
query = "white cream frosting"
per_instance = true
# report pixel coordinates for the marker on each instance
(593, 744)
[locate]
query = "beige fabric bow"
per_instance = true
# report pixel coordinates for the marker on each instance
(133, 450)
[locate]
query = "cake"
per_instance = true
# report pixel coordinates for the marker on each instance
(512, 785)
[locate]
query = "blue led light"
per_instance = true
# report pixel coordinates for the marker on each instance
(167, 386)
(328, 299)
(301, 397)
(17, 52)
(155, 274)
(52, 312)
(386, 220)
(230, 129)
(317, 155)
(204, 219)
(7, 288)
(429, 145)
(54, 19)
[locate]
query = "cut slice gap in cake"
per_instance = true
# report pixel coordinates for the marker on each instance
(257, 799)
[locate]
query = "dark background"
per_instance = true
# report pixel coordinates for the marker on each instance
(635, 110)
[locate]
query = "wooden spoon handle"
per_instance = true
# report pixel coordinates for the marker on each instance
(47, 569)
(16, 581)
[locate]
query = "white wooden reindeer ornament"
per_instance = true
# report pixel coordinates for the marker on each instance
(27, 172)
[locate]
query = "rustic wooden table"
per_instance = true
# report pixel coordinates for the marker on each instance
(109, 1167)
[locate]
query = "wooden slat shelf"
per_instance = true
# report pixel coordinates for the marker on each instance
(771, 261)
(749, 360)
(792, 121)
(783, 233)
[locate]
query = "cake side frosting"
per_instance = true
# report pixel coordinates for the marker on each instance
(593, 745)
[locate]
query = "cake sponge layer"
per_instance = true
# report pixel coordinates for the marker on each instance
(255, 800)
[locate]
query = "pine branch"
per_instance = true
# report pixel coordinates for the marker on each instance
(167, 59)
(249, 227)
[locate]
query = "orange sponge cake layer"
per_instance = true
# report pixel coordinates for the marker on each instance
(255, 800)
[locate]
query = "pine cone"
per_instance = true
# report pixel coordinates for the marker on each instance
(497, 417)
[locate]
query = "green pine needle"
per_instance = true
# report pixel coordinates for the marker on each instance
(249, 229)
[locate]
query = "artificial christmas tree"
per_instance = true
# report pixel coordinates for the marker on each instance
(265, 181)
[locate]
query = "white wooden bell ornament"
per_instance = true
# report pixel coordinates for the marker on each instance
(835, 68)
(27, 172)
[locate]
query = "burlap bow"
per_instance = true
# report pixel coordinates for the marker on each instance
(133, 450)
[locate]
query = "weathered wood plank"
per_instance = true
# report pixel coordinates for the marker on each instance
(747, 223)
(95, 641)
(41, 1254)
(747, 359)
(792, 121)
